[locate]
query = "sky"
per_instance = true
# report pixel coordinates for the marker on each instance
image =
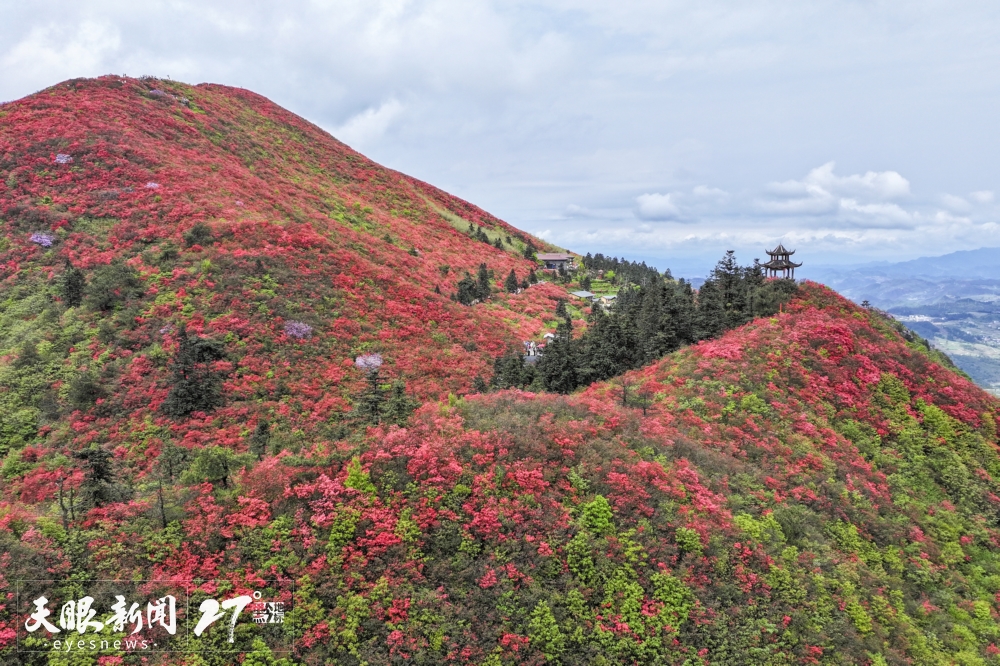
(667, 131)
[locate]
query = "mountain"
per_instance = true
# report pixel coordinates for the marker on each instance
(196, 292)
(951, 300)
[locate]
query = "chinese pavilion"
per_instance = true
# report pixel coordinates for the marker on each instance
(780, 263)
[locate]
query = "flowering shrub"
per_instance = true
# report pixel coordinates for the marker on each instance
(296, 329)
(42, 238)
(368, 362)
(809, 488)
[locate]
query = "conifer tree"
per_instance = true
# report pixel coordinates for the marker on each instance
(483, 288)
(194, 385)
(510, 284)
(260, 438)
(529, 250)
(710, 316)
(468, 291)
(398, 406)
(369, 405)
(557, 367)
(72, 285)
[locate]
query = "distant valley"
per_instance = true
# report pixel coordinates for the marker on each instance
(952, 300)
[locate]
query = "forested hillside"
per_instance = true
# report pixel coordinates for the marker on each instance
(236, 355)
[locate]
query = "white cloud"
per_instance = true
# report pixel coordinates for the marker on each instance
(982, 196)
(955, 203)
(54, 52)
(703, 191)
(881, 185)
(656, 207)
(369, 125)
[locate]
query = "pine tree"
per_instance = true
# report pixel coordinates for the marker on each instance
(467, 290)
(483, 288)
(72, 285)
(710, 316)
(99, 485)
(260, 438)
(369, 405)
(398, 407)
(194, 386)
(557, 367)
(510, 284)
(532, 278)
(529, 250)
(561, 310)
(498, 244)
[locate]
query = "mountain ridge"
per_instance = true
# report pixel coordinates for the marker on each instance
(812, 487)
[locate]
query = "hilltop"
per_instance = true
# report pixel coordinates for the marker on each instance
(195, 287)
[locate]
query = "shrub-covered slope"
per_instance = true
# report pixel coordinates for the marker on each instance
(132, 208)
(807, 488)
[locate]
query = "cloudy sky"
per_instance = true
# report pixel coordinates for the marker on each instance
(660, 129)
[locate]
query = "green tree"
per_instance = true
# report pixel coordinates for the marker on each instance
(260, 438)
(199, 234)
(72, 285)
(398, 407)
(215, 464)
(483, 288)
(468, 291)
(112, 285)
(558, 365)
(529, 250)
(194, 385)
(510, 285)
(544, 632)
(100, 484)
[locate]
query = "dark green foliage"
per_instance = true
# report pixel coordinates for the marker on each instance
(510, 284)
(260, 438)
(84, 390)
(479, 385)
(215, 464)
(379, 404)
(194, 385)
(625, 272)
(529, 251)
(71, 286)
(113, 285)
(561, 310)
(483, 288)
(199, 234)
(468, 291)
(498, 244)
(510, 371)
(532, 278)
(558, 365)
(28, 356)
(398, 406)
(585, 283)
(657, 318)
(100, 484)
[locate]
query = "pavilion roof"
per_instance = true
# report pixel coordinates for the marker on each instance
(780, 250)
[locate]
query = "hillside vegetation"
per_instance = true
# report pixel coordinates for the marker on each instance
(229, 354)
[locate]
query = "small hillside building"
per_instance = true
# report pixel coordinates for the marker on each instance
(556, 260)
(583, 294)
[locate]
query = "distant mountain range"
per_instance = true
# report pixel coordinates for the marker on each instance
(953, 300)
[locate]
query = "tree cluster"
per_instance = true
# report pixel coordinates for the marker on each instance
(647, 322)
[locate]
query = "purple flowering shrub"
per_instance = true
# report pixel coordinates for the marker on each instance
(368, 362)
(297, 329)
(42, 238)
